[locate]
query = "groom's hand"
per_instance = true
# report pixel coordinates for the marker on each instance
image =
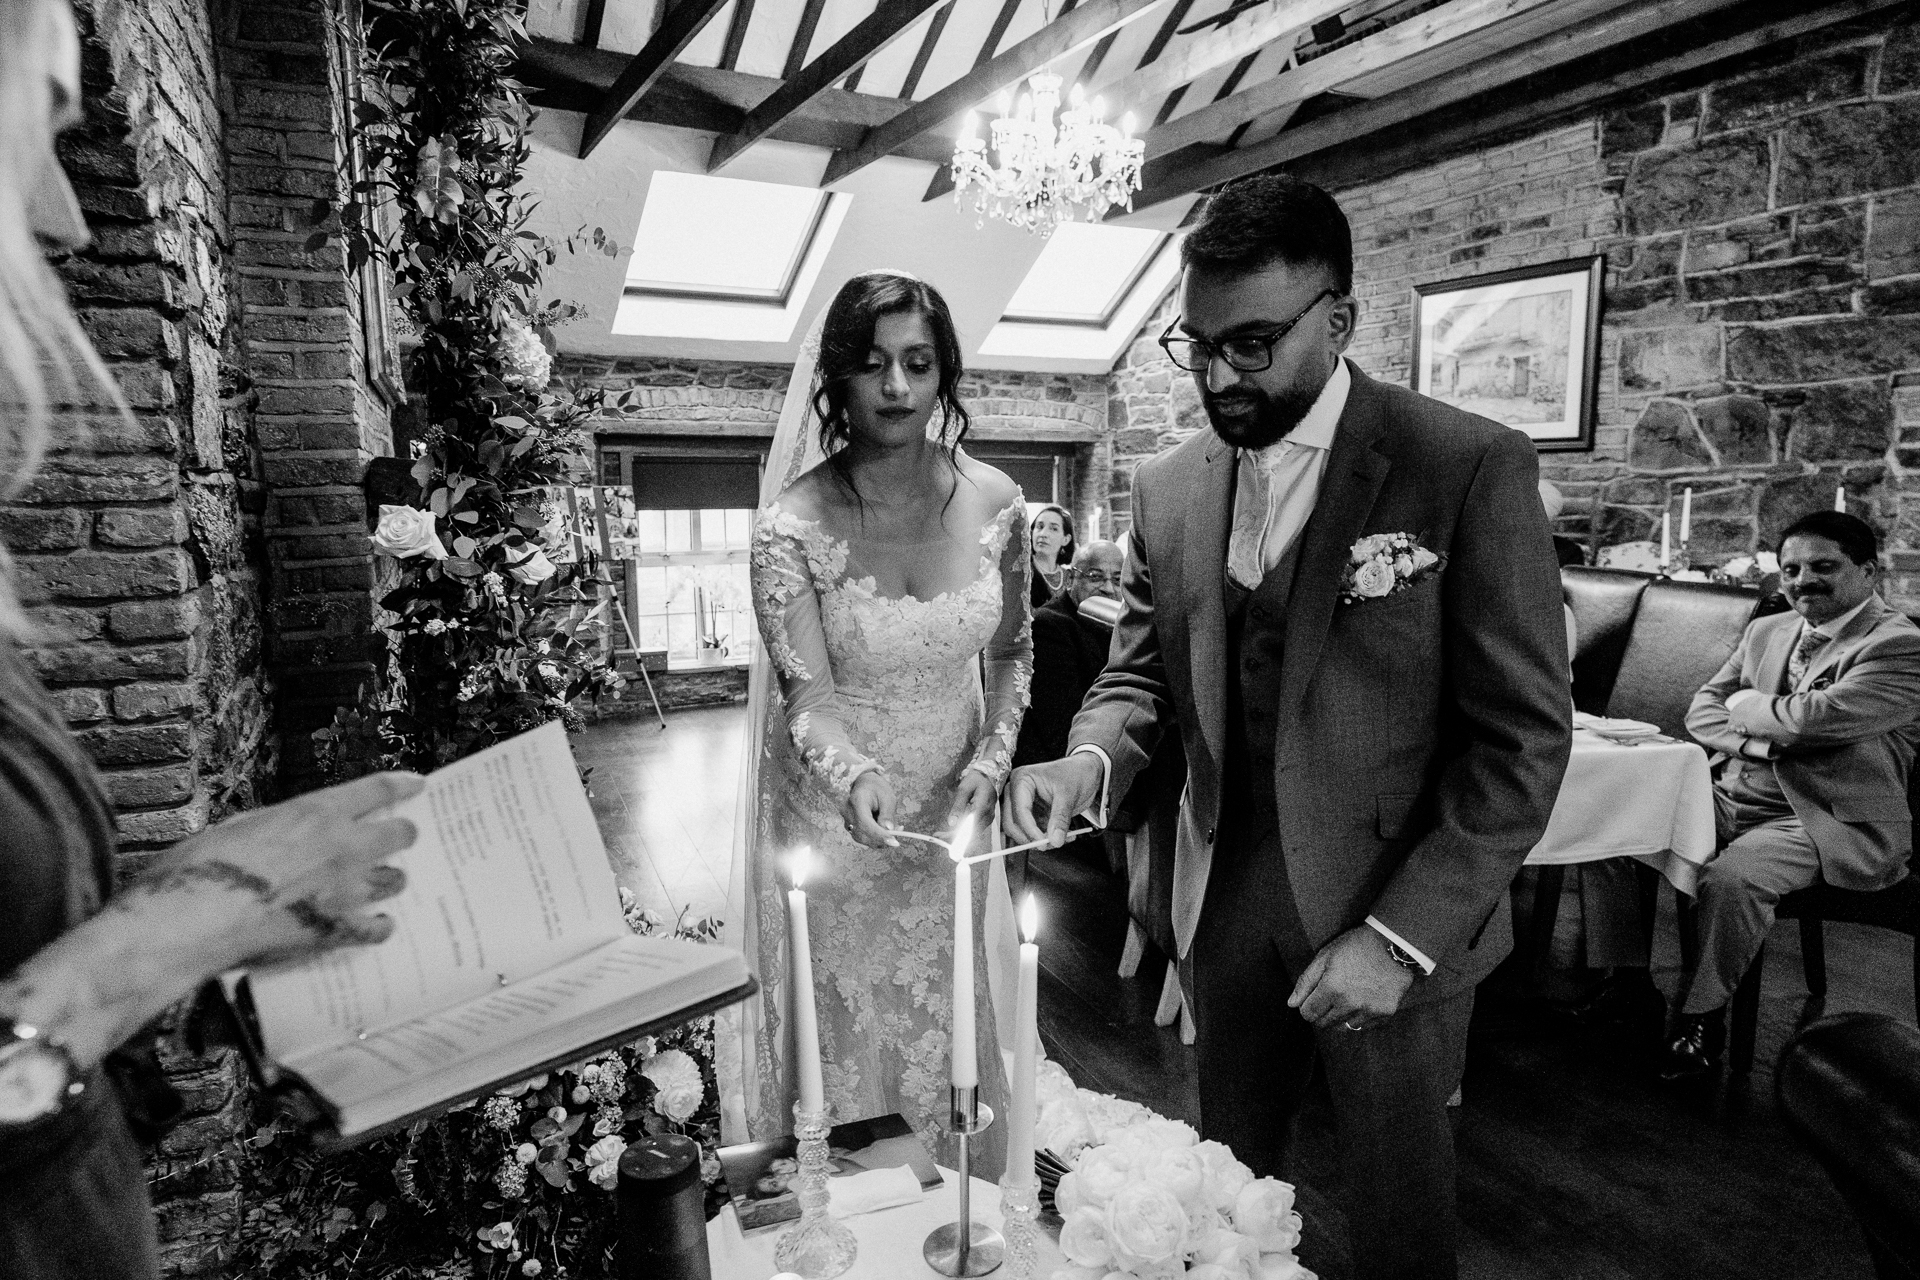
(1352, 982)
(1041, 799)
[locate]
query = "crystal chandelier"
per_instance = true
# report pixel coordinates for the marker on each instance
(1049, 172)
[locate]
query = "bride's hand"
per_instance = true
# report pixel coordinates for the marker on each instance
(868, 811)
(976, 795)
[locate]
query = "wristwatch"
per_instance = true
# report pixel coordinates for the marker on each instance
(38, 1076)
(1401, 956)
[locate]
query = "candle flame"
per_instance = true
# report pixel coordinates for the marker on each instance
(1029, 918)
(799, 865)
(962, 837)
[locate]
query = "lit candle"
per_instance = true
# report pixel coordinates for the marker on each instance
(806, 1024)
(966, 1063)
(1026, 1025)
(1686, 516)
(1666, 539)
(1840, 499)
(1126, 125)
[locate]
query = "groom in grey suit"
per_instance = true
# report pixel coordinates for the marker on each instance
(1371, 752)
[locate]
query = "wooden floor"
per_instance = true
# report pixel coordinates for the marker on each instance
(1574, 1163)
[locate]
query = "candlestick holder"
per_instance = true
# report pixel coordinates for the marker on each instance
(964, 1247)
(1019, 1206)
(817, 1246)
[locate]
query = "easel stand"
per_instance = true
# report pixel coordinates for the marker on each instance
(604, 586)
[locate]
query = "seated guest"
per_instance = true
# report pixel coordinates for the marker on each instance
(1069, 652)
(1818, 712)
(1050, 535)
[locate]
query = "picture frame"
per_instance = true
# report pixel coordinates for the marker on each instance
(1521, 347)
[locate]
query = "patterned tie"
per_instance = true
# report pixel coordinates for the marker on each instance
(1811, 642)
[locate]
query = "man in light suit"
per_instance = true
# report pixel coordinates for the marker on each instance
(1818, 712)
(1369, 761)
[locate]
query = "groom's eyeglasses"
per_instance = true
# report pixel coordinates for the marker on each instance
(1251, 353)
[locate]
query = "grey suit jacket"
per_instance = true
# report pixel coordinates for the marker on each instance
(1422, 735)
(1844, 747)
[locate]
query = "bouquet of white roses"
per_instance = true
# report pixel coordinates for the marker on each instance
(1146, 1198)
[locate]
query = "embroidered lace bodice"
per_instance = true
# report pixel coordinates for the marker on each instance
(923, 690)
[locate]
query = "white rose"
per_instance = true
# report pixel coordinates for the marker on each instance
(1282, 1266)
(1103, 1172)
(677, 1084)
(1264, 1213)
(1372, 579)
(1168, 1133)
(1083, 1238)
(1738, 567)
(1146, 1227)
(526, 1153)
(1062, 1129)
(1424, 559)
(1071, 1273)
(603, 1161)
(1403, 566)
(524, 359)
(407, 531)
(1067, 1195)
(1181, 1171)
(1233, 1253)
(534, 568)
(1370, 546)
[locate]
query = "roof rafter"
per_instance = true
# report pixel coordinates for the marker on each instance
(1246, 35)
(872, 34)
(1206, 166)
(1085, 24)
(676, 31)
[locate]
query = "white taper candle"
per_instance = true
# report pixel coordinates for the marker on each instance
(966, 1058)
(806, 1023)
(1026, 1049)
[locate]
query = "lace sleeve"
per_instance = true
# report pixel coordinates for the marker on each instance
(787, 605)
(1008, 657)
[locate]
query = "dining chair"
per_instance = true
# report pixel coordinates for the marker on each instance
(1682, 632)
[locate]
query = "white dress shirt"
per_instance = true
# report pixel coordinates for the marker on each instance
(1761, 748)
(1275, 491)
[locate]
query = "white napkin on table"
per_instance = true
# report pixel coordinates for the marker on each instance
(875, 1189)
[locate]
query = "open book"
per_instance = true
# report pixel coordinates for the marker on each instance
(509, 955)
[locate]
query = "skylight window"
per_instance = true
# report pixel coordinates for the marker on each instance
(703, 237)
(1084, 274)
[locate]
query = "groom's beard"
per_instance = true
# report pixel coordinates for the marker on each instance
(1248, 418)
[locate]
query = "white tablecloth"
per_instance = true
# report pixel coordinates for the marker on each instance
(1652, 802)
(890, 1240)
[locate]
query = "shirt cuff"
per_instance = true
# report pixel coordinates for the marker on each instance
(1757, 749)
(1098, 817)
(1419, 956)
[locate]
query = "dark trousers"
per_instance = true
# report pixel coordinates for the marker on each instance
(1390, 1083)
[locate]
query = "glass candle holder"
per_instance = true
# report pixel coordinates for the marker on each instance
(1019, 1207)
(818, 1246)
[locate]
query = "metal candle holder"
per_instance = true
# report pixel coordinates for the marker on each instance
(965, 1247)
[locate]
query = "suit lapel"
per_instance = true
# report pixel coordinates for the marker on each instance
(1771, 674)
(1355, 472)
(1204, 591)
(1863, 625)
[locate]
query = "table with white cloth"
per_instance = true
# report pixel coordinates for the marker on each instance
(890, 1239)
(1652, 801)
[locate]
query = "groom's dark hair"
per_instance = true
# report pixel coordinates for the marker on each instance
(1271, 217)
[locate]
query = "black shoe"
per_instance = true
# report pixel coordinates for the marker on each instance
(1626, 997)
(1698, 1041)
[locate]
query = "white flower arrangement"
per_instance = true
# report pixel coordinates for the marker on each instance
(1381, 564)
(525, 361)
(678, 1087)
(1146, 1198)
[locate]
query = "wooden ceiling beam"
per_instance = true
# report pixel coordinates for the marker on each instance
(1064, 35)
(1329, 71)
(676, 31)
(568, 77)
(1188, 61)
(1208, 166)
(872, 34)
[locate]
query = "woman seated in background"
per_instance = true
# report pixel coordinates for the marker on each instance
(80, 973)
(1051, 536)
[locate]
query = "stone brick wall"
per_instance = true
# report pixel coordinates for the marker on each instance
(1761, 332)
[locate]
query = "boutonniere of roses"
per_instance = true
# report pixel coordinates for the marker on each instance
(1382, 564)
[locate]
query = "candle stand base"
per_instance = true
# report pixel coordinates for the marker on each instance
(818, 1246)
(1019, 1206)
(964, 1247)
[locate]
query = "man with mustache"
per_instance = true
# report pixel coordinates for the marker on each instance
(1818, 712)
(1371, 749)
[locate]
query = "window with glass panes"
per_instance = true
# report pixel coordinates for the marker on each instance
(685, 565)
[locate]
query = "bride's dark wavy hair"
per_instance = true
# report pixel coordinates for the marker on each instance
(846, 341)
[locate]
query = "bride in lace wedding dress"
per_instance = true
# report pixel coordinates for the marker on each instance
(890, 583)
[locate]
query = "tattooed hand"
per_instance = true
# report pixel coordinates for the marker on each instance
(292, 878)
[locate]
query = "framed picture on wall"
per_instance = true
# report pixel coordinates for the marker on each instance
(1521, 347)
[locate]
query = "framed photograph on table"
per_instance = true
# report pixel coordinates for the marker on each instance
(1521, 347)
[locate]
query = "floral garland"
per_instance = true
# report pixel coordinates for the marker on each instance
(492, 627)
